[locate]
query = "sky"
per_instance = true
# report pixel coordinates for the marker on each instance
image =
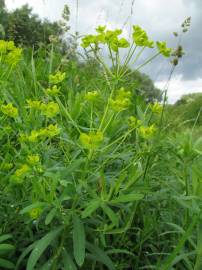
(160, 18)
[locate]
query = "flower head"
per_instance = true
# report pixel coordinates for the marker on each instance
(100, 29)
(11, 54)
(13, 57)
(50, 109)
(9, 110)
(156, 108)
(119, 104)
(3, 46)
(43, 133)
(34, 104)
(163, 49)
(33, 159)
(33, 137)
(91, 96)
(10, 46)
(140, 37)
(6, 166)
(35, 213)
(121, 101)
(57, 77)
(91, 140)
(147, 132)
(22, 170)
(122, 93)
(133, 122)
(53, 91)
(52, 130)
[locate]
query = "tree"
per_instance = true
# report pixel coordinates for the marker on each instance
(26, 28)
(3, 18)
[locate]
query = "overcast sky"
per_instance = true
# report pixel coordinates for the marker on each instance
(160, 18)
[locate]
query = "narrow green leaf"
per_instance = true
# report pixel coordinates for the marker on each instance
(50, 216)
(170, 260)
(100, 256)
(68, 262)
(110, 213)
(198, 262)
(6, 247)
(40, 247)
(78, 240)
(5, 237)
(32, 206)
(47, 265)
(92, 206)
(128, 198)
(119, 182)
(120, 251)
(5, 264)
(126, 226)
(24, 254)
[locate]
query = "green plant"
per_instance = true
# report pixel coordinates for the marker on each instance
(91, 178)
(5, 250)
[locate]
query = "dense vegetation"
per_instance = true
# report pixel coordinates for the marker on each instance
(93, 175)
(187, 111)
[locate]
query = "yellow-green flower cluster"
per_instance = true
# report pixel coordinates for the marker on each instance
(140, 37)
(51, 131)
(57, 77)
(33, 159)
(9, 110)
(6, 166)
(6, 46)
(91, 140)
(147, 132)
(91, 96)
(35, 213)
(133, 122)
(106, 37)
(20, 174)
(53, 91)
(50, 109)
(9, 53)
(22, 170)
(156, 108)
(36, 135)
(34, 104)
(163, 49)
(121, 101)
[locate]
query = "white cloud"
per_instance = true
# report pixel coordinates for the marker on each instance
(44, 8)
(178, 87)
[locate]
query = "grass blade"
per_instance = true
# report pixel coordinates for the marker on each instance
(78, 240)
(40, 247)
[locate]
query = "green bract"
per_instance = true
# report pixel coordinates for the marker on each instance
(140, 37)
(106, 36)
(163, 49)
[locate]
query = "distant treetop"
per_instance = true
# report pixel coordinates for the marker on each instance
(26, 28)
